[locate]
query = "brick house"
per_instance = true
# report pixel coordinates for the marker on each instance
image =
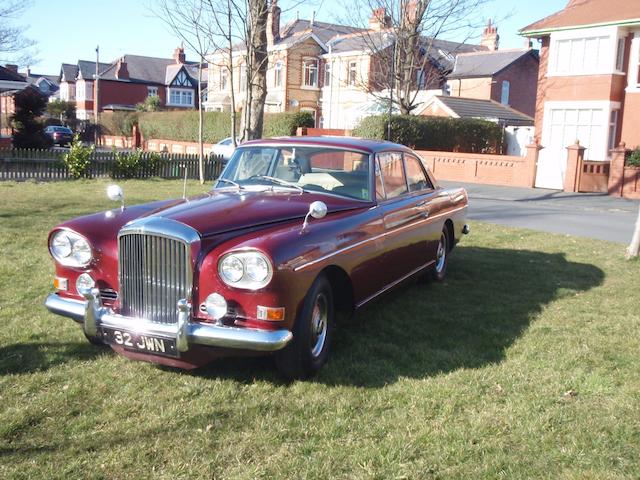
(10, 83)
(588, 84)
(129, 80)
(327, 69)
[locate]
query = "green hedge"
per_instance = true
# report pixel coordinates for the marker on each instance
(435, 133)
(183, 126)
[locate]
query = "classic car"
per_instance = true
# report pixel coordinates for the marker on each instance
(294, 231)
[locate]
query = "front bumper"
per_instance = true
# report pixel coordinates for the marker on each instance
(94, 316)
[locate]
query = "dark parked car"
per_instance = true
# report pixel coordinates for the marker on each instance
(59, 135)
(294, 230)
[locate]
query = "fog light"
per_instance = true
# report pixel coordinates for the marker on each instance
(60, 283)
(216, 306)
(274, 314)
(84, 281)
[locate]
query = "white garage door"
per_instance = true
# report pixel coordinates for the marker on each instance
(562, 127)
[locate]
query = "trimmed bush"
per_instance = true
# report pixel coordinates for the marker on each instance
(118, 123)
(633, 160)
(435, 133)
(183, 126)
(133, 164)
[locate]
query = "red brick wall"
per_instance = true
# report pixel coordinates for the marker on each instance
(124, 93)
(523, 78)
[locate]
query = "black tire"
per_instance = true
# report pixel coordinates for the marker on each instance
(439, 270)
(94, 340)
(312, 332)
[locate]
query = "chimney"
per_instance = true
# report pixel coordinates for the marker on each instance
(379, 19)
(409, 15)
(12, 67)
(273, 23)
(490, 37)
(179, 56)
(121, 69)
(313, 18)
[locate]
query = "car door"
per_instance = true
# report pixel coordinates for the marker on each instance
(405, 209)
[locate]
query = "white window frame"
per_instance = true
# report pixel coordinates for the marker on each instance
(184, 97)
(352, 69)
(278, 67)
(80, 91)
(633, 79)
(152, 92)
(607, 66)
(310, 67)
(224, 79)
(243, 78)
(614, 122)
(327, 73)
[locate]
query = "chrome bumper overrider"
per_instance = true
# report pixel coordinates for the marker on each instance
(93, 315)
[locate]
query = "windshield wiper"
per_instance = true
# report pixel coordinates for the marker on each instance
(235, 184)
(279, 181)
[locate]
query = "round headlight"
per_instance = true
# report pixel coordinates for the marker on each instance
(232, 269)
(84, 281)
(257, 268)
(70, 249)
(216, 306)
(248, 269)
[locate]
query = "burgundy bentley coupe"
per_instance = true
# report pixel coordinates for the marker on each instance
(294, 230)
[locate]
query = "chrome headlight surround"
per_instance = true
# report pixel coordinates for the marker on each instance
(256, 269)
(70, 248)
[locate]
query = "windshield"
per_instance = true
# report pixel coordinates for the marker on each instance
(340, 172)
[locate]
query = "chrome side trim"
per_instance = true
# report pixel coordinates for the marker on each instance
(185, 332)
(372, 239)
(394, 283)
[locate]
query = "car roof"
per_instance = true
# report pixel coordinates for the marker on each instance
(349, 143)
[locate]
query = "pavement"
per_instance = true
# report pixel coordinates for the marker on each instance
(590, 215)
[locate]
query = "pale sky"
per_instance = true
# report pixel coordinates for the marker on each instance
(68, 31)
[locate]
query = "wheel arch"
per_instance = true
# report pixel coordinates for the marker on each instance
(448, 224)
(341, 287)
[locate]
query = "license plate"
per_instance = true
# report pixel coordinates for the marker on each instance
(136, 342)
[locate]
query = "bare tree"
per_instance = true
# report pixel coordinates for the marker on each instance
(404, 44)
(14, 46)
(189, 20)
(634, 247)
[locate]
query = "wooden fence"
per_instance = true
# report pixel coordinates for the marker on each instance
(25, 164)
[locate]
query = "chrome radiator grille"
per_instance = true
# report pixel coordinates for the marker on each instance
(155, 272)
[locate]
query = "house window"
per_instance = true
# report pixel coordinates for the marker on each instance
(152, 91)
(351, 75)
(243, 78)
(181, 97)
(613, 128)
(223, 78)
(504, 97)
(620, 55)
(310, 69)
(277, 74)
(327, 73)
(579, 56)
(421, 79)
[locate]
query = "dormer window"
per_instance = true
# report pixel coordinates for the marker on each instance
(310, 71)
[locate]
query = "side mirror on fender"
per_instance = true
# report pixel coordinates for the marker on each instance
(317, 210)
(115, 193)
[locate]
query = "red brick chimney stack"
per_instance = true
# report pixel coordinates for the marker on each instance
(12, 67)
(273, 23)
(490, 37)
(121, 69)
(179, 56)
(379, 19)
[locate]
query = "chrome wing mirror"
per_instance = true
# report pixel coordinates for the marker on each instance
(115, 193)
(317, 210)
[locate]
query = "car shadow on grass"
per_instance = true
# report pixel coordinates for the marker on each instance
(32, 357)
(487, 301)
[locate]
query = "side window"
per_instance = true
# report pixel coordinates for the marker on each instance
(379, 187)
(415, 174)
(393, 176)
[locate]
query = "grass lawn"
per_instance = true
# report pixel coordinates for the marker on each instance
(524, 363)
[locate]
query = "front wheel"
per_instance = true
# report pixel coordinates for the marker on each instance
(309, 349)
(439, 271)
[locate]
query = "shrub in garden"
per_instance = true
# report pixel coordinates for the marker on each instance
(434, 133)
(134, 164)
(118, 123)
(78, 159)
(633, 160)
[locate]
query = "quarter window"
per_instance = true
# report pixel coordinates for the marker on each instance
(393, 176)
(416, 177)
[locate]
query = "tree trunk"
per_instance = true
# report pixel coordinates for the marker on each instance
(200, 125)
(253, 114)
(234, 126)
(634, 247)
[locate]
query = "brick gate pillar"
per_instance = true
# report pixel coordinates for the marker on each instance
(533, 152)
(574, 167)
(616, 170)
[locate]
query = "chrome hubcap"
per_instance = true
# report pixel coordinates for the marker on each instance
(318, 325)
(441, 254)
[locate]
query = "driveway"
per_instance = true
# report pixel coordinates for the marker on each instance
(590, 215)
